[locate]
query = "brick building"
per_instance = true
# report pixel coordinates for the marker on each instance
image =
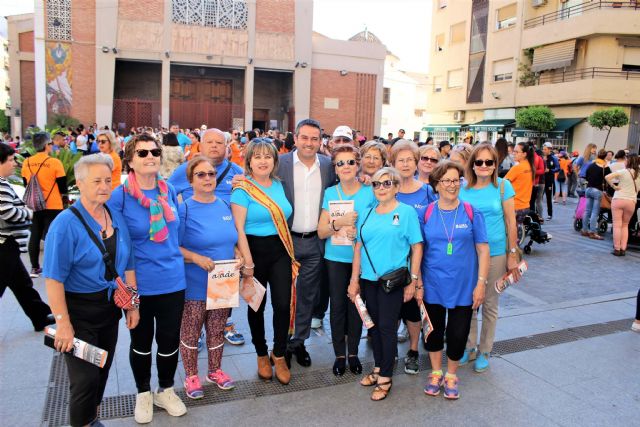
(243, 63)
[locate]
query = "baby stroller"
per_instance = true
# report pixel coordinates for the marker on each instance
(603, 223)
(530, 228)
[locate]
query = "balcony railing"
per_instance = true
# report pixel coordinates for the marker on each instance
(573, 11)
(586, 73)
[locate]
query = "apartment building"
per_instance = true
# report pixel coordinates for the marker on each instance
(491, 57)
(223, 63)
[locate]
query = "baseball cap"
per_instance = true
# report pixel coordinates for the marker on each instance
(548, 145)
(575, 153)
(343, 132)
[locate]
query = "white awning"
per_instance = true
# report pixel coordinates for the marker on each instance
(552, 56)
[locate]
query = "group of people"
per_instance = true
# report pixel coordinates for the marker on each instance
(430, 227)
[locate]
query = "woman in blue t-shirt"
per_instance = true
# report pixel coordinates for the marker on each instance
(264, 253)
(79, 286)
(338, 255)
(494, 198)
(150, 209)
(207, 234)
(386, 236)
(454, 269)
(405, 156)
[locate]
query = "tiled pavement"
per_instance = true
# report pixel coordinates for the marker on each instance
(572, 281)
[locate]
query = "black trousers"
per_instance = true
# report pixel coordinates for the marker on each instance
(344, 317)
(94, 318)
(272, 269)
(39, 227)
(15, 277)
(638, 306)
(548, 191)
(457, 329)
(384, 309)
(160, 316)
(534, 195)
(322, 298)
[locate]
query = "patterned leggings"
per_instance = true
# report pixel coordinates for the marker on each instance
(194, 316)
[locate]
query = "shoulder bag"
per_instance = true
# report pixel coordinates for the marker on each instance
(605, 201)
(125, 296)
(506, 226)
(398, 278)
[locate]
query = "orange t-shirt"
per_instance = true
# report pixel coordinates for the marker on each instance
(194, 150)
(522, 182)
(236, 154)
(51, 170)
(116, 173)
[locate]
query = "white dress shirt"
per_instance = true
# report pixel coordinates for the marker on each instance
(307, 189)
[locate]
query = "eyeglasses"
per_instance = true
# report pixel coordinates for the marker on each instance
(450, 182)
(349, 162)
(406, 161)
(201, 175)
(488, 162)
(155, 152)
(385, 184)
(372, 158)
(103, 141)
(430, 159)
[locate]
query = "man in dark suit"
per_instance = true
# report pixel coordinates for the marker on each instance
(305, 175)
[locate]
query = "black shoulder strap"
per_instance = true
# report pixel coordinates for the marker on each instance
(105, 255)
(362, 240)
(223, 174)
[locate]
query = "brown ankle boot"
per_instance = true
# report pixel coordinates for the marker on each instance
(282, 371)
(264, 368)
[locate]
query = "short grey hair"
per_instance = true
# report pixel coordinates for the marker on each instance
(81, 168)
(393, 173)
(425, 148)
(375, 145)
(40, 140)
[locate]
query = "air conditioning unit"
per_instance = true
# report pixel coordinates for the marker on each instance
(538, 3)
(458, 116)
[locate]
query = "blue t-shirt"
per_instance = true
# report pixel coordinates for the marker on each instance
(388, 238)
(223, 190)
(583, 166)
(418, 199)
(71, 257)
(258, 221)
(159, 265)
(449, 280)
(363, 199)
(183, 140)
(487, 201)
(206, 229)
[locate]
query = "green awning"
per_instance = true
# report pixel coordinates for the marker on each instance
(562, 126)
(442, 128)
(496, 125)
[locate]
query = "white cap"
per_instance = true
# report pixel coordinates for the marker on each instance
(547, 144)
(343, 132)
(203, 127)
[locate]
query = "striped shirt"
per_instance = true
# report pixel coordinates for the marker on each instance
(15, 217)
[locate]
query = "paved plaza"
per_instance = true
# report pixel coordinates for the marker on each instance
(564, 356)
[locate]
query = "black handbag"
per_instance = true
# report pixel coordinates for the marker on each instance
(398, 278)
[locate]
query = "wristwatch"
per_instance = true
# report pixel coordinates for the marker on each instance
(483, 280)
(513, 250)
(414, 276)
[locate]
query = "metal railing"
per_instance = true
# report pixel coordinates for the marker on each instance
(586, 73)
(577, 10)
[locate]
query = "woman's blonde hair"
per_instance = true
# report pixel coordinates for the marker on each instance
(375, 145)
(587, 152)
(404, 145)
(112, 139)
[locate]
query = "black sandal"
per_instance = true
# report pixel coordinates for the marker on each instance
(380, 389)
(370, 379)
(354, 365)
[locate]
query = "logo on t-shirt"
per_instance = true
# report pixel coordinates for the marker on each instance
(396, 219)
(227, 218)
(462, 226)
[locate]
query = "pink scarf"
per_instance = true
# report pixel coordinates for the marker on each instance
(159, 209)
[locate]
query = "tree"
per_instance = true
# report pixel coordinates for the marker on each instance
(608, 119)
(539, 118)
(4, 122)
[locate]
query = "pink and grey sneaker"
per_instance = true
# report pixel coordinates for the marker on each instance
(435, 382)
(451, 387)
(222, 380)
(192, 387)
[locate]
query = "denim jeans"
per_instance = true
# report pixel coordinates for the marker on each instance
(592, 210)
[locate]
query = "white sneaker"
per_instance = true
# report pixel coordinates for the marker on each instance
(316, 323)
(403, 333)
(635, 326)
(143, 413)
(169, 401)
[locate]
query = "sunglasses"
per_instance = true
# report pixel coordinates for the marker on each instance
(155, 152)
(103, 141)
(341, 163)
(429, 159)
(385, 184)
(201, 175)
(488, 162)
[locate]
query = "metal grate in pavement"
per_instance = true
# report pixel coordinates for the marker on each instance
(56, 405)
